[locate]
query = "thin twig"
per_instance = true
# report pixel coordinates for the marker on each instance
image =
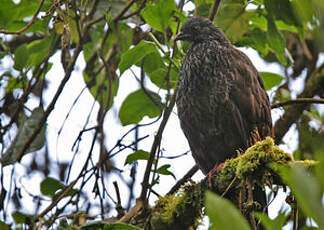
(157, 43)
(117, 193)
(124, 10)
(30, 23)
(184, 179)
(135, 12)
(56, 200)
(157, 140)
(214, 9)
(50, 107)
(229, 186)
(298, 101)
(295, 210)
(250, 201)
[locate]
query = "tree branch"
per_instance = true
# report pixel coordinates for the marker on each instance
(184, 179)
(314, 85)
(298, 101)
(214, 9)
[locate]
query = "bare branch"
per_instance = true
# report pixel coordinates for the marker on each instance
(298, 101)
(214, 9)
(184, 179)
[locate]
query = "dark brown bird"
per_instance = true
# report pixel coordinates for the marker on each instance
(222, 104)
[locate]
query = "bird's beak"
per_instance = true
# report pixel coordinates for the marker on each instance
(179, 36)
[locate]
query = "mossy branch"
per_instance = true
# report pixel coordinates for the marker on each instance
(183, 210)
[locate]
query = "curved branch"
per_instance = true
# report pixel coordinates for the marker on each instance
(314, 86)
(30, 23)
(298, 101)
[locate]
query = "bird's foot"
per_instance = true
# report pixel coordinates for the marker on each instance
(211, 173)
(256, 137)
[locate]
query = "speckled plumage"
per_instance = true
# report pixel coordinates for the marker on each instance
(221, 99)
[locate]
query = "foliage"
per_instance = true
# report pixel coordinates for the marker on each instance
(119, 39)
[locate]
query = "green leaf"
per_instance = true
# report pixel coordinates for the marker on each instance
(311, 139)
(64, 225)
(319, 168)
(164, 170)
(271, 79)
(52, 187)
(258, 20)
(257, 39)
(158, 71)
(282, 10)
(49, 186)
(138, 155)
(283, 26)
(32, 54)
(276, 41)
(223, 214)
(304, 10)
(137, 105)
(159, 77)
(233, 19)
(158, 14)
(203, 8)
(8, 13)
(22, 218)
(108, 226)
(14, 83)
(269, 224)
(38, 50)
(26, 8)
(26, 128)
(4, 226)
(21, 57)
(135, 55)
(307, 191)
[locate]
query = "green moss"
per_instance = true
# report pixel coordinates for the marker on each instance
(179, 211)
(254, 165)
(306, 163)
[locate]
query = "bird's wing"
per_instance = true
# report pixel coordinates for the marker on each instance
(249, 96)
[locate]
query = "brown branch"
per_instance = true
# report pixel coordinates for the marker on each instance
(124, 10)
(155, 145)
(214, 9)
(96, 20)
(313, 86)
(56, 200)
(298, 101)
(135, 12)
(158, 136)
(30, 23)
(117, 193)
(184, 179)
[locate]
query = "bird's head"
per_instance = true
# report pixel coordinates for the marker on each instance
(198, 29)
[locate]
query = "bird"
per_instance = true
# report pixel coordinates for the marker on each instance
(221, 100)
